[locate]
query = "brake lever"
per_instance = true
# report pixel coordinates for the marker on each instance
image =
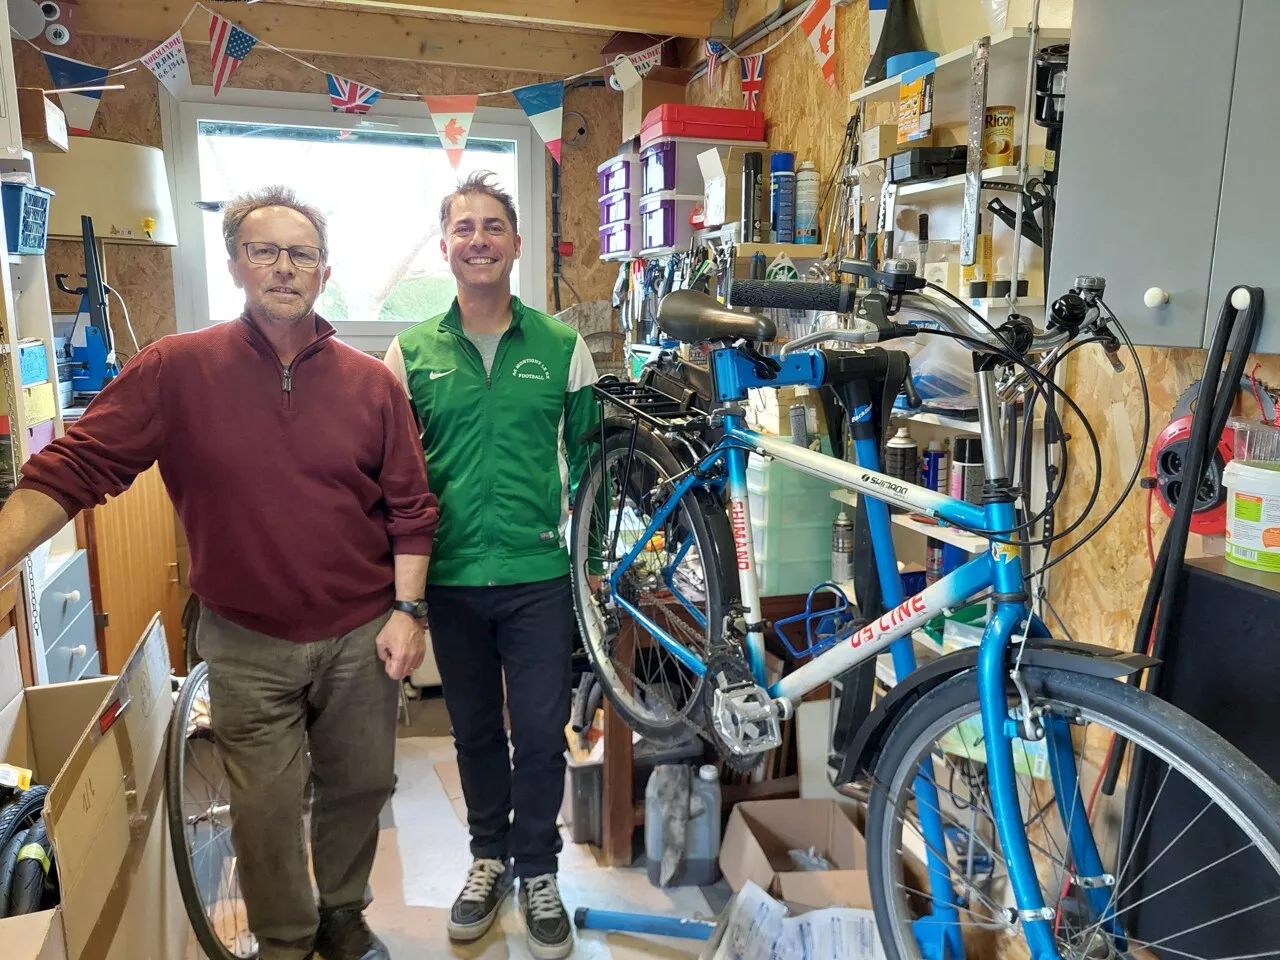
(909, 388)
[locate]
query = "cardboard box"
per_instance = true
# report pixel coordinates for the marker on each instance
(43, 124)
(759, 834)
(878, 143)
(722, 183)
(642, 94)
(102, 745)
(915, 106)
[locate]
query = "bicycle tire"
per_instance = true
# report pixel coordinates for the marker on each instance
(710, 528)
(1186, 740)
(175, 751)
(30, 875)
(9, 863)
(21, 812)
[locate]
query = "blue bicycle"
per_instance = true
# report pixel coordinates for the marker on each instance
(990, 829)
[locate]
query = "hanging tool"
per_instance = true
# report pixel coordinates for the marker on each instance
(93, 365)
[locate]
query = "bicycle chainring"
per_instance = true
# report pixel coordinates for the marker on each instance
(726, 660)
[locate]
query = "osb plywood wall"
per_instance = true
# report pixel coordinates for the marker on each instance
(144, 275)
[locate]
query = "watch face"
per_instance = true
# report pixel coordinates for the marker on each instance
(415, 608)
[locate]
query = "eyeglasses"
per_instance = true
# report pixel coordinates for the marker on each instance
(266, 254)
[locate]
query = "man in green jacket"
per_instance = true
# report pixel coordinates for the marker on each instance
(503, 395)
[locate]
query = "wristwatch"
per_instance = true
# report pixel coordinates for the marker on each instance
(414, 608)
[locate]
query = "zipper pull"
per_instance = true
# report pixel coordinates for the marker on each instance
(287, 385)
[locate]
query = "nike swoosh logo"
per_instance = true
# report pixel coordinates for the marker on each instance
(436, 375)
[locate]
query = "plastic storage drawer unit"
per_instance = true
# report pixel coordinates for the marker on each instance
(665, 220)
(618, 173)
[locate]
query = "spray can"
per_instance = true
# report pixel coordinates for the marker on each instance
(751, 178)
(798, 415)
(934, 551)
(966, 474)
(901, 456)
(842, 549)
(782, 197)
(933, 467)
(808, 195)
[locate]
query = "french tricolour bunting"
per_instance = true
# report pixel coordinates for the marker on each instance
(169, 63)
(544, 103)
(752, 81)
(228, 46)
(452, 117)
(819, 25)
(79, 106)
(349, 96)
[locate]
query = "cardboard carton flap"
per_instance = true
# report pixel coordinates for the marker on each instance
(828, 888)
(711, 164)
(105, 800)
(10, 669)
(37, 936)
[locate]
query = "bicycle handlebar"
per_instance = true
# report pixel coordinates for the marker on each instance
(792, 295)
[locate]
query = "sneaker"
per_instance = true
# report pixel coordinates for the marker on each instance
(343, 935)
(473, 913)
(545, 919)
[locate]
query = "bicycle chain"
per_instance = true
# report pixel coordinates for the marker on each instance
(15, 453)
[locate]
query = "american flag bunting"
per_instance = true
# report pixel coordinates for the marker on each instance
(752, 81)
(715, 50)
(228, 46)
(350, 96)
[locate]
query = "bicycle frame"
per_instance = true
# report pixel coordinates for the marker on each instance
(998, 568)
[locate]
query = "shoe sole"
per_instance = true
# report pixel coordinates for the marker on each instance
(470, 932)
(550, 951)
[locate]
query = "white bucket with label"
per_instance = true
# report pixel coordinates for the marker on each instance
(1253, 514)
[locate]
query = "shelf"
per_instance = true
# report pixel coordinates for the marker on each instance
(958, 538)
(796, 251)
(848, 497)
(938, 420)
(1008, 49)
(991, 175)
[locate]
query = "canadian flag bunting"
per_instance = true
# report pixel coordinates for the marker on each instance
(452, 117)
(819, 25)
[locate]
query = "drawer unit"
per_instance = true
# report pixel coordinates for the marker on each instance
(33, 361)
(73, 651)
(65, 596)
(617, 208)
(618, 174)
(665, 219)
(671, 163)
(619, 240)
(40, 400)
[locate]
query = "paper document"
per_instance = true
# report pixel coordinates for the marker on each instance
(756, 927)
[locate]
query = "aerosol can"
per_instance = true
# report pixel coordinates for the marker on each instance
(842, 549)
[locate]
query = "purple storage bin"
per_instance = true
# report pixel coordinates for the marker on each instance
(617, 174)
(665, 220)
(39, 436)
(615, 239)
(659, 162)
(616, 208)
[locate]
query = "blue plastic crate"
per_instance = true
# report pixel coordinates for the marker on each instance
(33, 362)
(26, 217)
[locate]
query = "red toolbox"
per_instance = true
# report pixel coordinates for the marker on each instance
(702, 123)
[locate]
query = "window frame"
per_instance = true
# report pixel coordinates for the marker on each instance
(180, 121)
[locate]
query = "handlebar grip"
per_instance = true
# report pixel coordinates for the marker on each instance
(792, 295)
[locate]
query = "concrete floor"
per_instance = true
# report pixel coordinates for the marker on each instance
(423, 857)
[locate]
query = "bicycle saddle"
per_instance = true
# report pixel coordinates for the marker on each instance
(698, 318)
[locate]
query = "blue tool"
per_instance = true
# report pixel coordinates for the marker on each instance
(93, 365)
(586, 919)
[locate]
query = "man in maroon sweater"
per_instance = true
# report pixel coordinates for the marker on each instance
(296, 469)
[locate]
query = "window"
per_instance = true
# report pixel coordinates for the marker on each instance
(379, 182)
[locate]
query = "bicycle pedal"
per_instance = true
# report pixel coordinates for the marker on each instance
(746, 718)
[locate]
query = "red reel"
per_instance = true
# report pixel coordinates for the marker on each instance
(1168, 457)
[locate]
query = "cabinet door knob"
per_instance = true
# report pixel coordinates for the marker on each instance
(71, 597)
(79, 651)
(1155, 297)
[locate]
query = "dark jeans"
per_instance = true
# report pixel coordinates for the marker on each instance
(285, 714)
(525, 632)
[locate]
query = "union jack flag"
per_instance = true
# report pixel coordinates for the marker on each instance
(348, 96)
(752, 81)
(228, 46)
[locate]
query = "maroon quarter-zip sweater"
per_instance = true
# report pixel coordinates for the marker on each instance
(296, 486)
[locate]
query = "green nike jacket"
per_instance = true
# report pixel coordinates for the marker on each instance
(504, 451)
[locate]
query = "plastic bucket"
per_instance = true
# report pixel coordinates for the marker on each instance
(1253, 515)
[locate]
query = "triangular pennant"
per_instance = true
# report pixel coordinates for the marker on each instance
(169, 63)
(348, 96)
(819, 25)
(544, 105)
(228, 46)
(752, 81)
(452, 117)
(79, 106)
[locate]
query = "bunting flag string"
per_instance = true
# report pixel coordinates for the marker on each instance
(348, 96)
(715, 51)
(80, 106)
(228, 46)
(543, 103)
(819, 24)
(169, 64)
(452, 117)
(752, 81)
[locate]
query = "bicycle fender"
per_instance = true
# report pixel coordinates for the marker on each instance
(1046, 652)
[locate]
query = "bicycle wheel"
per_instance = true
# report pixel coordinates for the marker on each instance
(1166, 890)
(8, 864)
(32, 869)
(677, 581)
(199, 810)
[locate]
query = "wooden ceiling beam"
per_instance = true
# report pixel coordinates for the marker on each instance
(356, 34)
(680, 18)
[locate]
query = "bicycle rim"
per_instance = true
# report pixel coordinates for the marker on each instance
(668, 581)
(199, 808)
(1167, 890)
